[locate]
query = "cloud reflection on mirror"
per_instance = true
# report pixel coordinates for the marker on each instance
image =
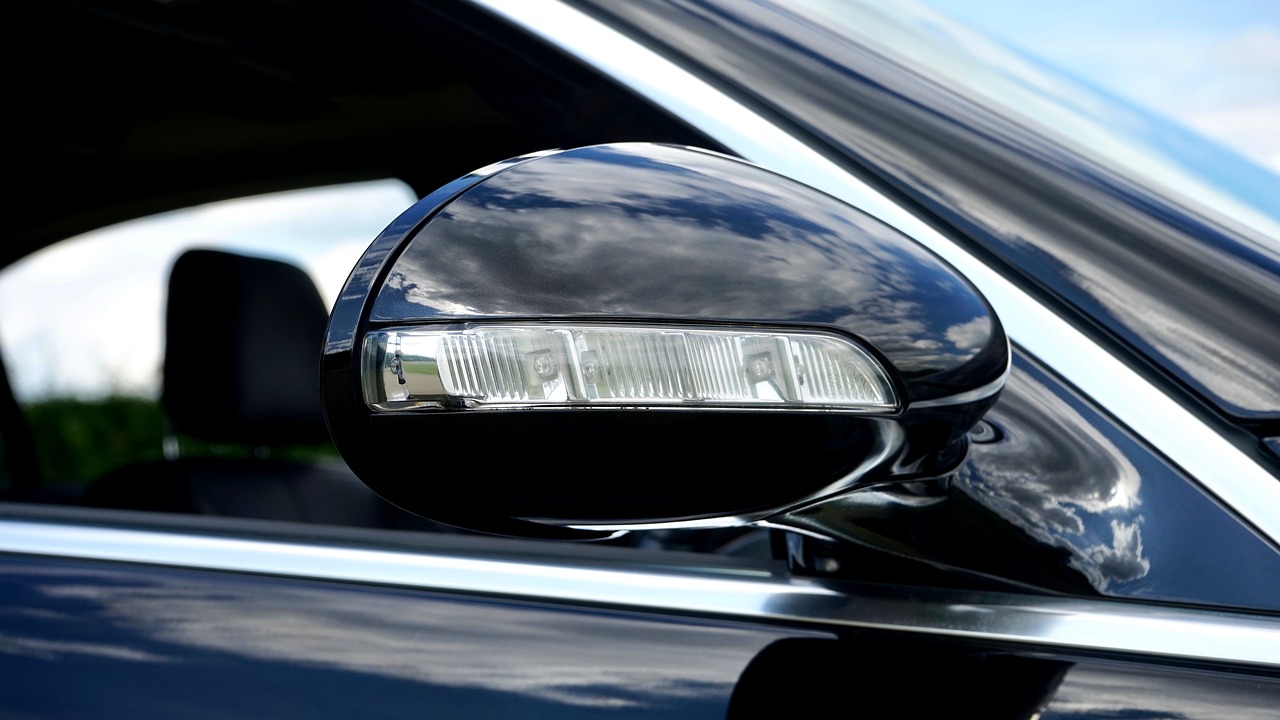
(1063, 481)
(606, 233)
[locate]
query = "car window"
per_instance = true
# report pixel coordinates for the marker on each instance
(1110, 131)
(423, 93)
(1176, 292)
(81, 322)
(88, 369)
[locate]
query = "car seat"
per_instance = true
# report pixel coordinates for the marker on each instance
(241, 365)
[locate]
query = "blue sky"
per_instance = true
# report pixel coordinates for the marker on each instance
(1211, 66)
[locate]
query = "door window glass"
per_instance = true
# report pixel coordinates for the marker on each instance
(81, 321)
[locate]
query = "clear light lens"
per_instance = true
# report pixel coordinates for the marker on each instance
(499, 365)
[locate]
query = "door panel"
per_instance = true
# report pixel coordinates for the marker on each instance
(103, 640)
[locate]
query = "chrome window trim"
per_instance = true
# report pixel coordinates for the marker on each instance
(730, 593)
(1200, 450)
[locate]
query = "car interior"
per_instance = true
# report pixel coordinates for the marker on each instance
(421, 93)
(239, 367)
(277, 95)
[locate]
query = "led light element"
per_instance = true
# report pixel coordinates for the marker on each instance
(669, 366)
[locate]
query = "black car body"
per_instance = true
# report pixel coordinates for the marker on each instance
(1108, 548)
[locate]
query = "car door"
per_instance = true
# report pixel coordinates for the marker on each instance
(1063, 577)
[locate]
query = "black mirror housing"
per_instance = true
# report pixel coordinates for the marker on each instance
(670, 249)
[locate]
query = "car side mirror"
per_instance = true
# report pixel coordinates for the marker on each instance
(634, 335)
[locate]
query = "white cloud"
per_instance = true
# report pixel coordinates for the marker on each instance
(1255, 49)
(970, 335)
(1250, 127)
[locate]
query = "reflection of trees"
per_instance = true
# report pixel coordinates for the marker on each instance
(78, 441)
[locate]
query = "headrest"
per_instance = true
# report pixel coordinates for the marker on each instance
(242, 350)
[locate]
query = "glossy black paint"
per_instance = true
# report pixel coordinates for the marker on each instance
(1055, 495)
(106, 640)
(639, 232)
(1118, 515)
(1194, 296)
(643, 231)
(81, 640)
(993, 687)
(884, 678)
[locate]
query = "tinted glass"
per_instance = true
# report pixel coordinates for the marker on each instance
(1181, 272)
